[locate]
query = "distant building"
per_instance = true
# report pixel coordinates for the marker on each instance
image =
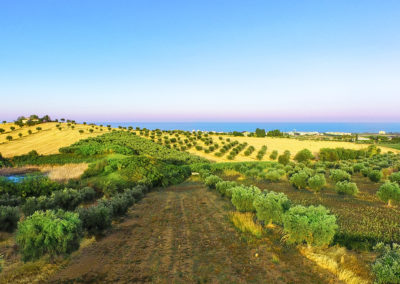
(338, 133)
(302, 133)
(382, 132)
(363, 139)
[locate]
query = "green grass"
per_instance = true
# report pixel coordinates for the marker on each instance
(393, 146)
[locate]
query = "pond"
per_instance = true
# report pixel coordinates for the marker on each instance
(21, 177)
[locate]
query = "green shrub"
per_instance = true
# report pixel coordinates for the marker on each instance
(50, 232)
(300, 179)
(87, 194)
(243, 197)
(312, 225)
(346, 187)
(358, 167)
(211, 181)
(273, 155)
(9, 217)
(375, 175)
(284, 159)
(386, 267)
(395, 177)
(273, 175)
(33, 204)
(118, 204)
(304, 155)
(67, 199)
(95, 219)
(388, 192)
(339, 175)
(317, 182)
(270, 207)
(224, 187)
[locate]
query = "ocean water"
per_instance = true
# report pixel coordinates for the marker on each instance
(251, 126)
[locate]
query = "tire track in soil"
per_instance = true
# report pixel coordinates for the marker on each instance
(182, 235)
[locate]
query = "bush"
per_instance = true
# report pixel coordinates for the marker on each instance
(312, 225)
(118, 205)
(284, 159)
(346, 187)
(50, 232)
(387, 266)
(395, 177)
(224, 187)
(273, 155)
(273, 175)
(388, 192)
(87, 194)
(375, 175)
(317, 182)
(300, 179)
(211, 181)
(340, 175)
(303, 156)
(33, 204)
(95, 219)
(243, 197)
(67, 199)
(270, 207)
(9, 217)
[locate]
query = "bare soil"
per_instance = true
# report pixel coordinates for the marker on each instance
(182, 235)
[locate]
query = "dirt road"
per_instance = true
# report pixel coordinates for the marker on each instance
(182, 235)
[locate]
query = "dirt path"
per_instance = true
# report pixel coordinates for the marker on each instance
(182, 235)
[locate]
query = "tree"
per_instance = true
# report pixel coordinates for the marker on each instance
(243, 197)
(386, 268)
(2, 131)
(275, 133)
(270, 207)
(91, 130)
(20, 135)
(9, 138)
(284, 159)
(375, 175)
(29, 131)
(303, 156)
(12, 128)
(52, 232)
(260, 132)
(346, 187)
(312, 225)
(273, 155)
(388, 192)
(395, 177)
(38, 128)
(81, 131)
(300, 179)
(317, 182)
(339, 175)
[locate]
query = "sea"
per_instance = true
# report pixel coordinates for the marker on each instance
(364, 127)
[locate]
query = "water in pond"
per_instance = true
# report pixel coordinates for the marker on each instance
(21, 177)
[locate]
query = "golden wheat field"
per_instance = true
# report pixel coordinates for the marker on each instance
(278, 144)
(45, 141)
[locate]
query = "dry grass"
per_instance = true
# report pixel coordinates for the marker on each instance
(345, 265)
(46, 141)
(244, 222)
(64, 172)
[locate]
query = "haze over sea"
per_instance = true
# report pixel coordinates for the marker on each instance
(251, 126)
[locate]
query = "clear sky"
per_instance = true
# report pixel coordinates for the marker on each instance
(192, 60)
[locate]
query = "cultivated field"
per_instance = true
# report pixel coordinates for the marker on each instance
(45, 141)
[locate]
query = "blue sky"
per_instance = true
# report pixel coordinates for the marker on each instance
(201, 60)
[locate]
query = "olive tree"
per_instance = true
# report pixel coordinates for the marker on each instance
(270, 207)
(346, 187)
(313, 225)
(303, 156)
(243, 197)
(389, 192)
(317, 182)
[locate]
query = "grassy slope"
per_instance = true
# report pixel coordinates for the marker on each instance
(46, 141)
